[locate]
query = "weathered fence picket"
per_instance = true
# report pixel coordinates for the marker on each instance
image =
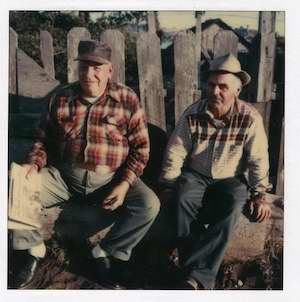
(13, 45)
(280, 168)
(225, 42)
(150, 78)
(74, 36)
(47, 52)
(151, 22)
(185, 71)
(115, 39)
(267, 56)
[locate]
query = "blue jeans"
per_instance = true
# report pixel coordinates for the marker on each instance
(129, 223)
(207, 211)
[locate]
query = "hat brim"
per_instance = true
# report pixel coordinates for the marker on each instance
(91, 58)
(242, 75)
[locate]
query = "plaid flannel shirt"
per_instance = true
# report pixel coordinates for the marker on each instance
(230, 147)
(110, 133)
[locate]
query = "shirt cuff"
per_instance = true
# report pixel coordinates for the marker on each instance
(36, 161)
(130, 177)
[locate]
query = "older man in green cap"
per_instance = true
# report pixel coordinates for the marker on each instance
(216, 158)
(92, 150)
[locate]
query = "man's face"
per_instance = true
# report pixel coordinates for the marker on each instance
(223, 88)
(93, 77)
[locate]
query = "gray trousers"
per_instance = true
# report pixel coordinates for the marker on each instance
(202, 201)
(130, 222)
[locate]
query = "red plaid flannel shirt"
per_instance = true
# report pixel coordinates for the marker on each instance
(110, 133)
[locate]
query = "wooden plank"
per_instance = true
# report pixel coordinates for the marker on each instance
(13, 45)
(198, 36)
(115, 39)
(267, 56)
(47, 52)
(33, 81)
(225, 41)
(280, 171)
(150, 78)
(185, 71)
(265, 111)
(151, 22)
(198, 46)
(74, 36)
(267, 21)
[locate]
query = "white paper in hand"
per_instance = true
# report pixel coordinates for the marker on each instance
(24, 205)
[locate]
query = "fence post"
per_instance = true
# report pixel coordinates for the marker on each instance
(47, 52)
(150, 78)
(13, 45)
(225, 42)
(280, 169)
(198, 46)
(74, 36)
(151, 22)
(115, 39)
(185, 71)
(267, 56)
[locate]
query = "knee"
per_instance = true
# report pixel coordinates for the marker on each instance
(237, 197)
(152, 205)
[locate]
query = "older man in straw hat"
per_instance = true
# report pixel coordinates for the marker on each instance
(93, 149)
(217, 142)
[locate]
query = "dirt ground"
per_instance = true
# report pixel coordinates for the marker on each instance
(67, 267)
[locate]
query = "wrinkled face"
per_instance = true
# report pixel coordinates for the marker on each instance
(223, 88)
(93, 77)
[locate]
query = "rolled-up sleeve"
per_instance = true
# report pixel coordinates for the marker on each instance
(139, 145)
(178, 147)
(257, 156)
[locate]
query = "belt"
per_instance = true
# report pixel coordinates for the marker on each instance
(86, 166)
(94, 168)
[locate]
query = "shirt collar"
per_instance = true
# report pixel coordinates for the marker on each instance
(206, 114)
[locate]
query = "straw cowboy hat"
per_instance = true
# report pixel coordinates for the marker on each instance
(229, 63)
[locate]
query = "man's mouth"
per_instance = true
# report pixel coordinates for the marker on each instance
(215, 100)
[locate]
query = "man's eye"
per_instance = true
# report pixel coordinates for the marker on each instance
(223, 87)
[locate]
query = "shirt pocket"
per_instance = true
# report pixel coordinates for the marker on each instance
(67, 125)
(114, 128)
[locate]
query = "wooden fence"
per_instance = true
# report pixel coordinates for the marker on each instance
(28, 79)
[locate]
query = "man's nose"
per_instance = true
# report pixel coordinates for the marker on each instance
(216, 90)
(88, 71)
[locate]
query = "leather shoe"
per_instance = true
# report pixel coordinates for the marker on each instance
(102, 268)
(191, 284)
(106, 272)
(25, 266)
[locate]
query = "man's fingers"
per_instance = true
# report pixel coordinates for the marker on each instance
(109, 200)
(258, 211)
(112, 205)
(270, 213)
(262, 215)
(264, 212)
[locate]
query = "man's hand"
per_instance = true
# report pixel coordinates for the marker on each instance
(260, 209)
(116, 198)
(30, 169)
